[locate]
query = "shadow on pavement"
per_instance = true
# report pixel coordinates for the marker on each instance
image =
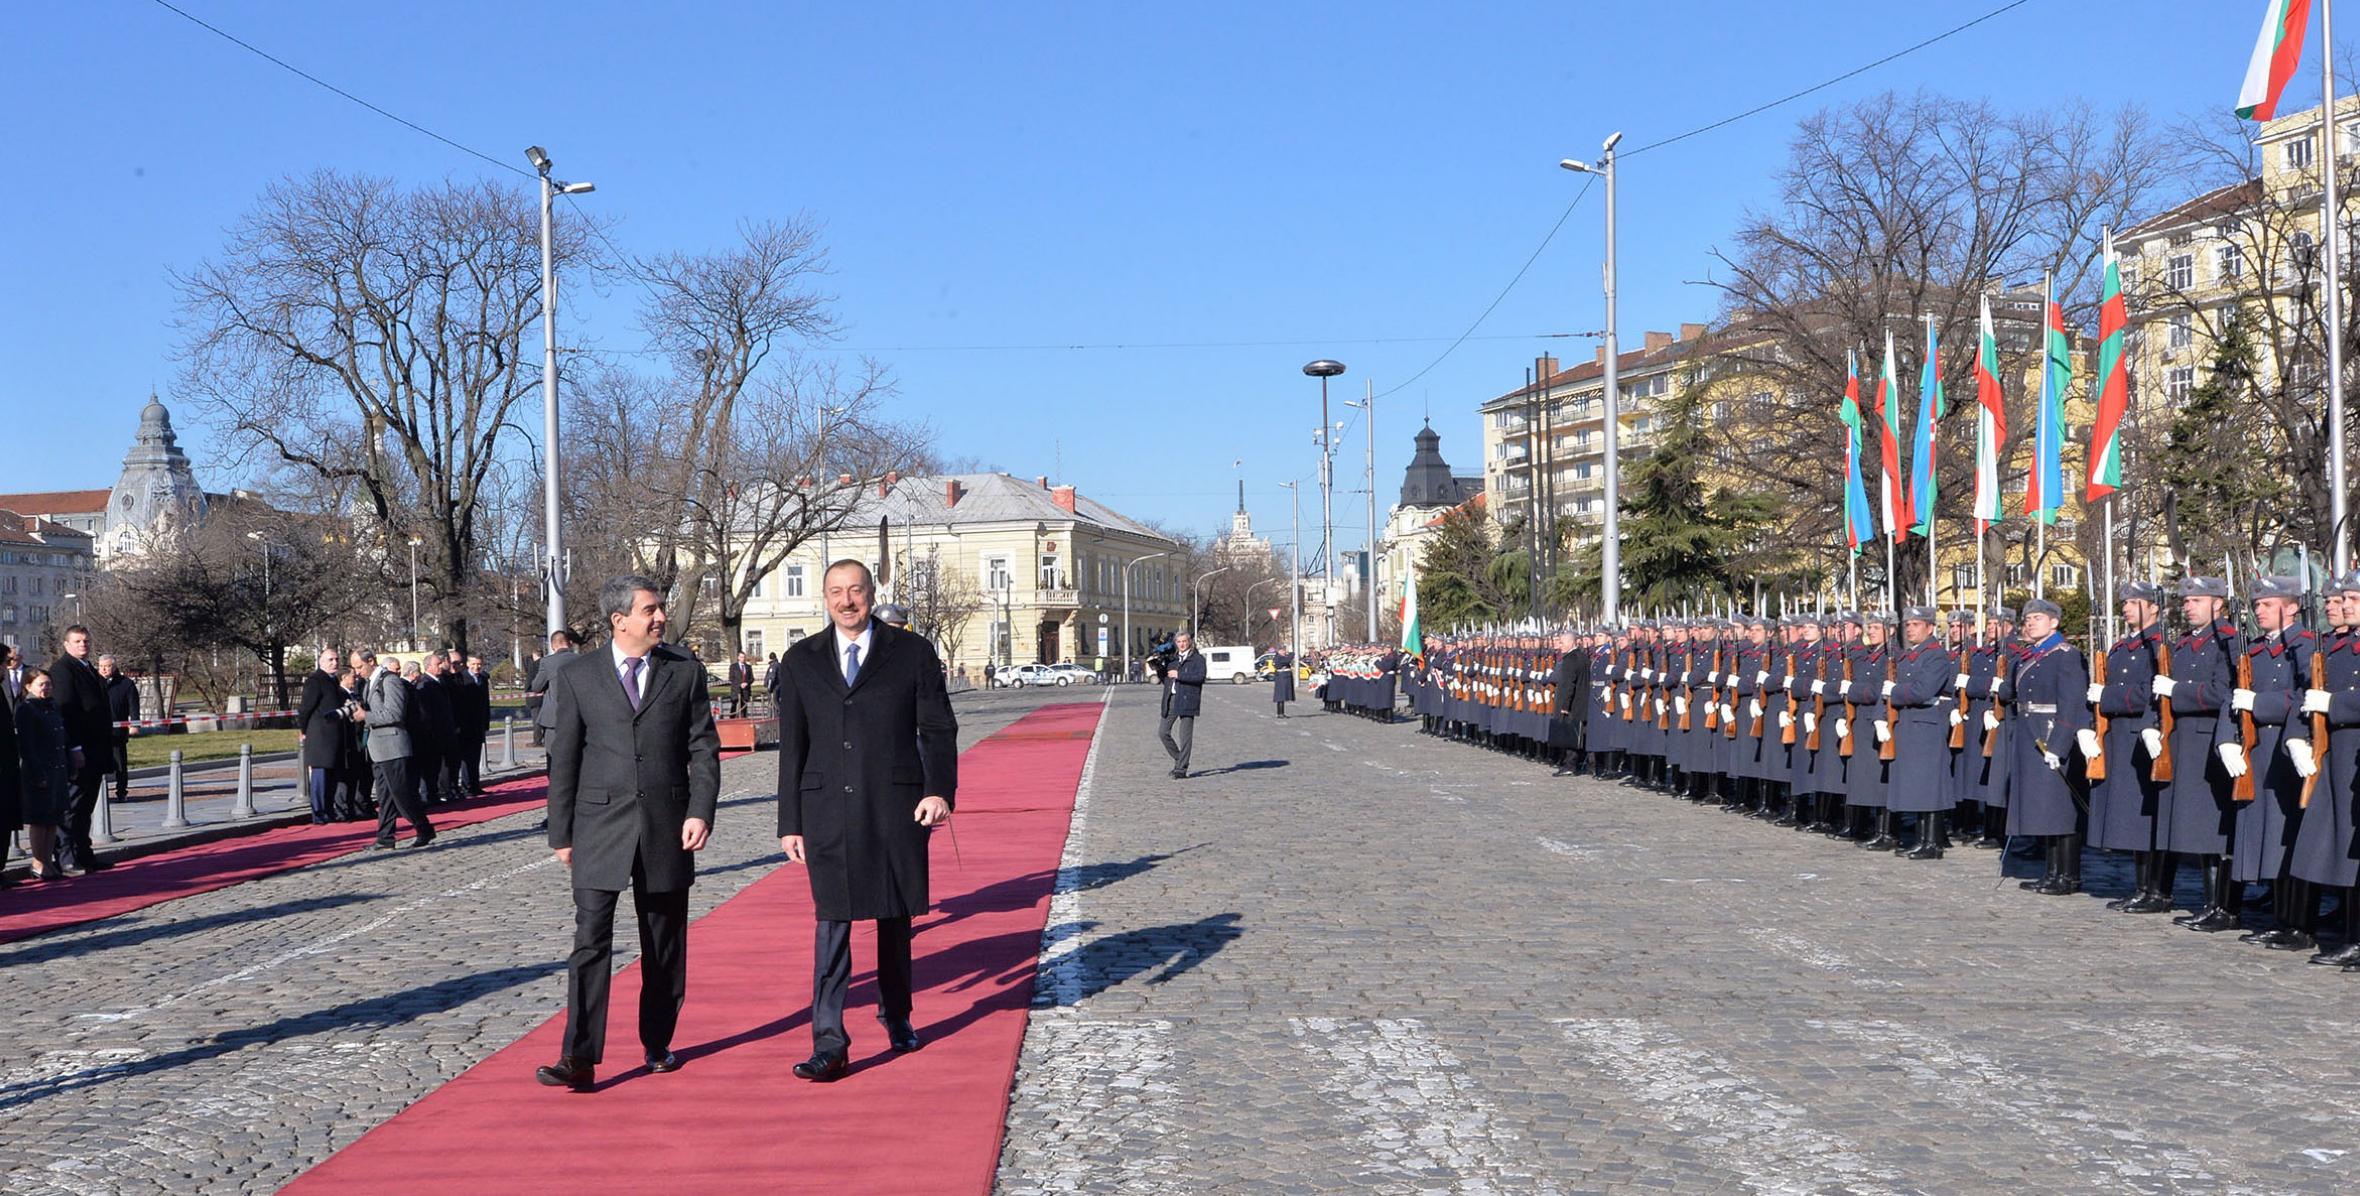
(1241, 766)
(141, 934)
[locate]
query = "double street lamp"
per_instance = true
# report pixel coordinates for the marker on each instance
(1324, 369)
(552, 539)
(1610, 549)
(1127, 566)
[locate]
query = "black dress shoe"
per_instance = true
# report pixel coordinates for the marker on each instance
(2148, 903)
(382, 845)
(1179, 775)
(425, 840)
(2059, 886)
(2211, 921)
(1923, 851)
(568, 1073)
(665, 1062)
(822, 1067)
(91, 863)
(2290, 940)
(2348, 955)
(901, 1034)
(2258, 936)
(2123, 902)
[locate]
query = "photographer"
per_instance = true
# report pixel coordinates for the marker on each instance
(1183, 679)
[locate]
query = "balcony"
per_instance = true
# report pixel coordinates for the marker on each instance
(1049, 599)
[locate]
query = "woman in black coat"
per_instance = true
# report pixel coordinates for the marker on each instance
(1282, 680)
(48, 769)
(12, 817)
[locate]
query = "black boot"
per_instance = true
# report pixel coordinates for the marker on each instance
(2064, 867)
(2140, 861)
(1930, 838)
(1883, 840)
(1792, 815)
(2222, 899)
(1995, 828)
(2348, 913)
(2156, 897)
(2301, 931)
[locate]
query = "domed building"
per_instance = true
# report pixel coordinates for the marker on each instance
(155, 489)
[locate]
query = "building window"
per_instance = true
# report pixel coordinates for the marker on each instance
(794, 581)
(2064, 577)
(761, 584)
(2232, 262)
(2018, 575)
(2298, 153)
(996, 575)
(2182, 329)
(2179, 272)
(793, 634)
(2304, 252)
(1049, 571)
(753, 644)
(2178, 382)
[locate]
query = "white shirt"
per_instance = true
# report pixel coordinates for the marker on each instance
(863, 641)
(646, 665)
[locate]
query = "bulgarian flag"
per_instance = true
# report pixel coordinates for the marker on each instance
(1894, 495)
(1859, 526)
(2275, 54)
(2044, 490)
(1991, 424)
(1413, 636)
(1921, 461)
(2111, 388)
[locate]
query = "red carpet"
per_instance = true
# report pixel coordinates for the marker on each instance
(188, 871)
(733, 1119)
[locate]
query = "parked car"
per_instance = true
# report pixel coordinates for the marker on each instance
(1017, 676)
(1266, 666)
(1069, 672)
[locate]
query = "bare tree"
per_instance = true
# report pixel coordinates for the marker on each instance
(373, 337)
(942, 598)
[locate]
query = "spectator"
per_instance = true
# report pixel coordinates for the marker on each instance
(357, 801)
(741, 685)
(319, 729)
(478, 726)
(12, 677)
(80, 696)
(532, 697)
(122, 708)
(12, 812)
(770, 676)
(433, 730)
(988, 673)
(536, 689)
(47, 776)
(390, 751)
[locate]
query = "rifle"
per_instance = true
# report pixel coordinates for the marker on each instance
(1729, 725)
(1756, 729)
(2319, 730)
(1851, 710)
(1819, 700)
(1887, 749)
(1663, 713)
(1786, 734)
(1688, 712)
(2094, 768)
(2243, 791)
(1999, 673)
(1958, 734)
(1712, 710)
(2160, 768)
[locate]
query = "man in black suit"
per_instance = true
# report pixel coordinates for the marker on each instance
(741, 684)
(80, 695)
(479, 726)
(1570, 711)
(435, 730)
(536, 685)
(320, 719)
(634, 776)
(1184, 695)
(122, 710)
(868, 765)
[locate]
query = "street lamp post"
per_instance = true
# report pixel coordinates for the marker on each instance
(1324, 369)
(1368, 409)
(1295, 623)
(1195, 603)
(1127, 566)
(415, 634)
(552, 537)
(1610, 546)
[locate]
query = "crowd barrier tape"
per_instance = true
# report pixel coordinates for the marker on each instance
(144, 724)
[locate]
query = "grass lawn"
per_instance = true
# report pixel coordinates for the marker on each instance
(146, 750)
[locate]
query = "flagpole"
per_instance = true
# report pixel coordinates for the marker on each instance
(2330, 207)
(1933, 466)
(2111, 629)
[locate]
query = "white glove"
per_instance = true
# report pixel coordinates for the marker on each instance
(1887, 691)
(1843, 728)
(1762, 678)
(2050, 759)
(1962, 681)
(1713, 678)
(1956, 718)
(1753, 708)
(1884, 730)
(2088, 739)
(2315, 701)
(1785, 720)
(2241, 699)
(1818, 689)
(2153, 738)
(2097, 691)
(1810, 723)
(1659, 707)
(2163, 686)
(2233, 758)
(1647, 674)
(1991, 720)
(1679, 706)
(2299, 751)
(1626, 705)
(1728, 715)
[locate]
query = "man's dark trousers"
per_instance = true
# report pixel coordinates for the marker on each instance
(398, 793)
(122, 764)
(1179, 733)
(831, 977)
(84, 786)
(663, 967)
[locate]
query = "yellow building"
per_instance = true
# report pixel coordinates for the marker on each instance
(1007, 570)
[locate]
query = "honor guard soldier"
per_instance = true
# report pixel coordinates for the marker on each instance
(1919, 705)
(2260, 736)
(1753, 680)
(1987, 733)
(1828, 764)
(2048, 708)
(2325, 852)
(1811, 655)
(2198, 814)
(2125, 803)
(1867, 819)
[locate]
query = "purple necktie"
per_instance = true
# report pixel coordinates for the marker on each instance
(631, 679)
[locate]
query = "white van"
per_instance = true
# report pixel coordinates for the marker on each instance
(1233, 663)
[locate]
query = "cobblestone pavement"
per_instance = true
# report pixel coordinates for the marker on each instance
(1351, 958)
(228, 1041)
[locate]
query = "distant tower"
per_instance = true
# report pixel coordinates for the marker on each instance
(157, 486)
(1428, 481)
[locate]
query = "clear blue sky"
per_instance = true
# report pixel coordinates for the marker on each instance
(1324, 176)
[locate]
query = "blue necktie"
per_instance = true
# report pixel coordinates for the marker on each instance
(851, 663)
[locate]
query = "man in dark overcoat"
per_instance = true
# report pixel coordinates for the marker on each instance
(320, 719)
(1282, 678)
(868, 765)
(80, 696)
(2048, 705)
(1183, 698)
(2198, 814)
(634, 776)
(1921, 702)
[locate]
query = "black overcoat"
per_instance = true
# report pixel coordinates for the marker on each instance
(853, 763)
(1282, 678)
(1184, 686)
(621, 782)
(80, 696)
(320, 716)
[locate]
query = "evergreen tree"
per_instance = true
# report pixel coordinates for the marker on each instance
(2212, 490)
(1455, 583)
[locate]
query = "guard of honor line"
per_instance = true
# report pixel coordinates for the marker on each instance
(2236, 753)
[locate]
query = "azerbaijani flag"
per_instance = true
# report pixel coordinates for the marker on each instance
(2275, 54)
(1413, 636)
(2111, 388)
(1894, 496)
(1991, 424)
(1859, 525)
(1921, 461)
(2044, 490)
